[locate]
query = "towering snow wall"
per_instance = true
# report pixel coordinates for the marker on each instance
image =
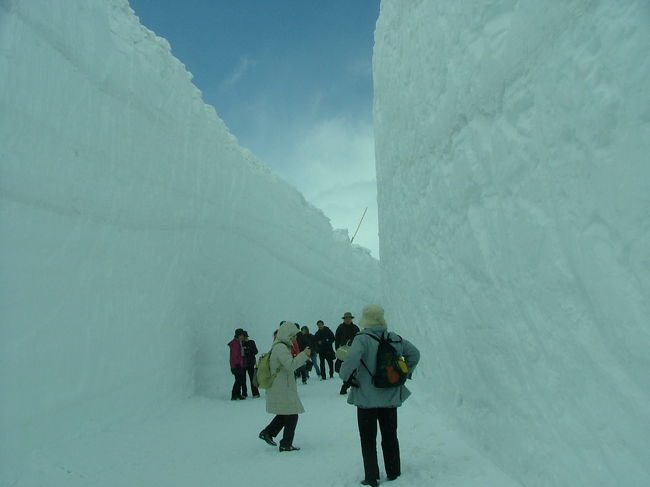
(136, 235)
(513, 159)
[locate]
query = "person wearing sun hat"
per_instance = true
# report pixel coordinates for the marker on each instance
(343, 337)
(376, 405)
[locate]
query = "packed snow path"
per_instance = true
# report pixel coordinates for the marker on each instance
(213, 442)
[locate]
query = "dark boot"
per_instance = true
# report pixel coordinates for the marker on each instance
(289, 448)
(267, 438)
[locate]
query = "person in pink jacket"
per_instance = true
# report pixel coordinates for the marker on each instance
(238, 365)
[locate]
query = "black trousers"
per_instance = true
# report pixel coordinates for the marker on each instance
(330, 362)
(337, 369)
(239, 387)
(337, 365)
(286, 421)
(302, 373)
(387, 419)
(251, 372)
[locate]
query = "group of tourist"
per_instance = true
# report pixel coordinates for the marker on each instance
(323, 343)
(352, 353)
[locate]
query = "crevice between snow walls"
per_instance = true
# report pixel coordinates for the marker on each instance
(136, 233)
(512, 143)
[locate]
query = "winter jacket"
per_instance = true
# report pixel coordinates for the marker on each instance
(236, 354)
(344, 334)
(305, 340)
(282, 397)
(324, 338)
(366, 395)
(250, 351)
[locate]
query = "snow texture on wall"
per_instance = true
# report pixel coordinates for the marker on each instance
(136, 233)
(513, 159)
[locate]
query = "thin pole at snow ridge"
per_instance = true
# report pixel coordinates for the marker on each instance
(359, 225)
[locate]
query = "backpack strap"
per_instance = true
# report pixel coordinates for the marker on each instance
(378, 341)
(372, 336)
(388, 338)
(366, 367)
(272, 347)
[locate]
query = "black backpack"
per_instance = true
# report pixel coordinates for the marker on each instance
(391, 369)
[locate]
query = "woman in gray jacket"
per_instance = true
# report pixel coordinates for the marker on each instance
(375, 405)
(282, 397)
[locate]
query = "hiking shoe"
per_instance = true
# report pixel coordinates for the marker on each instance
(372, 483)
(268, 438)
(289, 448)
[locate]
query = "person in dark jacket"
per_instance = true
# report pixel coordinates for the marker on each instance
(308, 338)
(324, 339)
(374, 404)
(250, 352)
(345, 333)
(305, 340)
(237, 365)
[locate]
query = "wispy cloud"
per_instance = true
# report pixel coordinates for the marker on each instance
(331, 161)
(244, 65)
(335, 151)
(333, 165)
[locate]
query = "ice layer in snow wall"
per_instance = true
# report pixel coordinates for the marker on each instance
(513, 159)
(136, 233)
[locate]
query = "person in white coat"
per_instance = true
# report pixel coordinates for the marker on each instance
(282, 397)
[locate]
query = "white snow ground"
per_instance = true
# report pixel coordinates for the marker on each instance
(213, 442)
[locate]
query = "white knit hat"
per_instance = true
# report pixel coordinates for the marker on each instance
(373, 315)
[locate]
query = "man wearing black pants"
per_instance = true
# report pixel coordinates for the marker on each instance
(376, 404)
(387, 419)
(250, 351)
(324, 339)
(344, 336)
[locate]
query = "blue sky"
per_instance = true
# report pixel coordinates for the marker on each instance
(293, 81)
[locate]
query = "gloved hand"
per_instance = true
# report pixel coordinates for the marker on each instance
(342, 352)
